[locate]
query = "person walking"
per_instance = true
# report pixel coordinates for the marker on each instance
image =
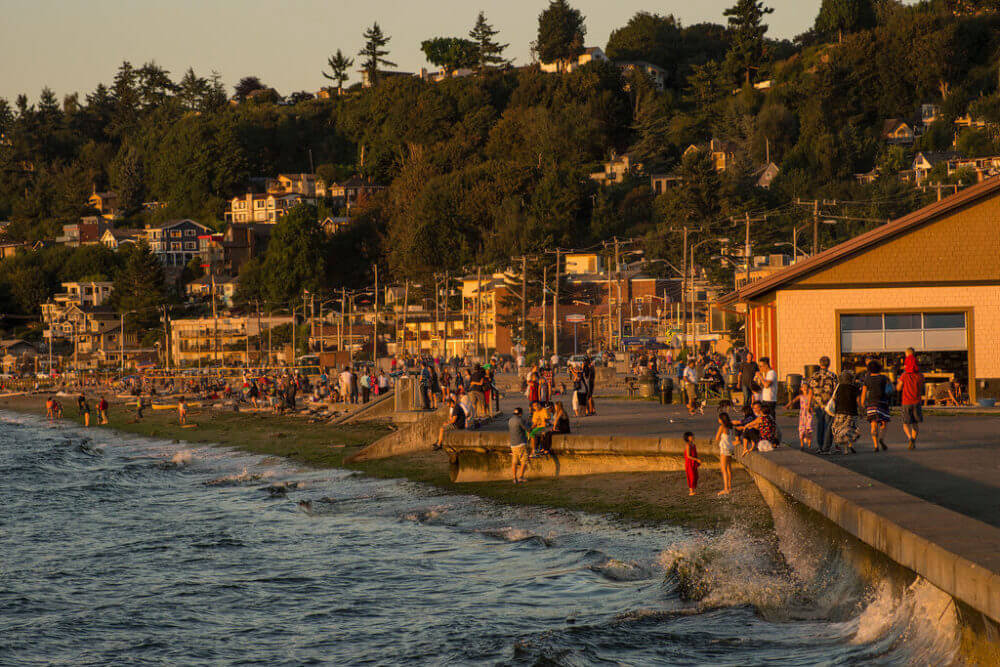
(845, 418)
(102, 411)
(590, 373)
(181, 411)
(911, 390)
(691, 462)
(724, 436)
(821, 385)
(518, 441)
(747, 378)
(691, 388)
(84, 408)
(875, 397)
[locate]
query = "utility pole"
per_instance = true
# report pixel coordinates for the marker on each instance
(406, 306)
(343, 309)
(215, 323)
(610, 329)
(350, 328)
(479, 302)
(166, 341)
(375, 321)
(270, 326)
(447, 290)
(555, 311)
(524, 300)
(322, 326)
(815, 204)
(545, 280)
(122, 341)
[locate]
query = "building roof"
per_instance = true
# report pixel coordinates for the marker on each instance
(988, 188)
(174, 223)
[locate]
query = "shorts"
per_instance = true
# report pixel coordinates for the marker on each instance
(913, 414)
(519, 454)
(691, 389)
(878, 413)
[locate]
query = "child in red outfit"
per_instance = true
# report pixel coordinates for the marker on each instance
(691, 462)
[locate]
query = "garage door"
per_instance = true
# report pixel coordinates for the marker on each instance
(894, 332)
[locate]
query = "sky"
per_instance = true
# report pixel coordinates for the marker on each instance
(72, 45)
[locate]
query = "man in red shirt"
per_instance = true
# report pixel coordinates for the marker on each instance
(911, 388)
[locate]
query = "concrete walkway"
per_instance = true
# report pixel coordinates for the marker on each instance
(956, 464)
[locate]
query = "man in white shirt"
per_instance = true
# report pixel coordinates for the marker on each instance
(768, 380)
(345, 384)
(691, 377)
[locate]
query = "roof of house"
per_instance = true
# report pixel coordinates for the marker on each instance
(937, 157)
(970, 195)
(174, 223)
(890, 125)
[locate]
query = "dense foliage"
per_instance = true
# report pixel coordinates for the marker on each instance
(490, 166)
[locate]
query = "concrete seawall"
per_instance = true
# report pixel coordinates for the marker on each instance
(483, 456)
(957, 554)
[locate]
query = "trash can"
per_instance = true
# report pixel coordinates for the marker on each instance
(666, 390)
(794, 382)
(647, 386)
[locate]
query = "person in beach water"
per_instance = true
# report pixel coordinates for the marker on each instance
(102, 411)
(911, 390)
(691, 462)
(50, 408)
(84, 407)
(518, 440)
(724, 436)
(181, 411)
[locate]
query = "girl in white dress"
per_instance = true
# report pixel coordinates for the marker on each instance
(724, 435)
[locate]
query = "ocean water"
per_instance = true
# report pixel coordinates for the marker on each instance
(123, 550)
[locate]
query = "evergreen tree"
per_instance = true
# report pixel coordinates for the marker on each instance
(839, 16)
(560, 33)
(140, 287)
(125, 92)
(374, 52)
(215, 98)
(296, 255)
(247, 85)
(339, 66)
(747, 30)
(488, 51)
(155, 85)
(126, 177)
(192, 90)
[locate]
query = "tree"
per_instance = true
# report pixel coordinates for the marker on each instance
(374, 52)
(450, 53)
(747, 30)
(154, 84)
(140, 286)
(126, 177)
(247, 85)
(649, 37)
(216, 97)
(339, 65)
(839, 16)
(489, 53)
(296, 255)
(560, 33)
(192, 90)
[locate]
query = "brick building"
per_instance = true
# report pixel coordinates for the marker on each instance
(929, 280)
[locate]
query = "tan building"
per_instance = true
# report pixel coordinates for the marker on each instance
(262, 208)
(929, 280)
(221, 341)
(589, 55)
(617, 169)
(105, 203)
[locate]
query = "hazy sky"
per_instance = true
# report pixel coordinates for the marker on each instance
(72, 45)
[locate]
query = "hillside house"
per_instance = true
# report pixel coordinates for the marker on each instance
(617, 169)
(589, 55)
(925, 161)
(263, 207)
(724, 154)
(105, 203)
(657, 75)
(86, 232)
(117, 238)
(175, 243)
(898, 132)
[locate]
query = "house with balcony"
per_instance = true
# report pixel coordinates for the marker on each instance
(223, 287)
(175, 243)
(86, 232)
